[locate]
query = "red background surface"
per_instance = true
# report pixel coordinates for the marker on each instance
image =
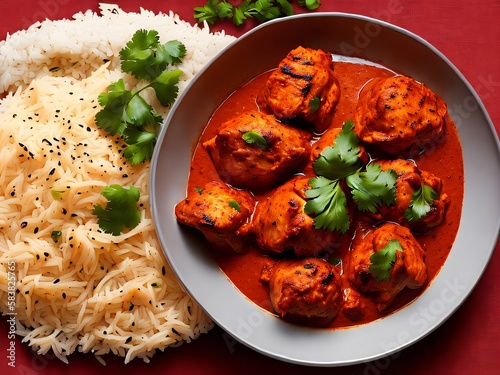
(467, 343)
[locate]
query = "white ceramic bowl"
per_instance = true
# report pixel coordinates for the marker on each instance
(259, 50)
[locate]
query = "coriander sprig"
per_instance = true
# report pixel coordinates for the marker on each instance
(369, 188)
(262, 10)
(126, 112)
(373, 187)
(145, 58)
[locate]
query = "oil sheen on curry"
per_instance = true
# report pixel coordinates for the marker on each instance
(329, 189)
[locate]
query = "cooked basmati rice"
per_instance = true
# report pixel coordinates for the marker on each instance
(89, 291)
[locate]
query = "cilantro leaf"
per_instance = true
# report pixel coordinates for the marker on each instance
(139, 46)
(117, 95)
(253, 137)
(209, 12)
(383, 260)
(327, 201)
(140, 145)
(165, 86)
(314, 103)
(341, 159)
(171, 52)
(115, 101)
(265, 10)
(286, 7)
(138, 112)
(138, 56)
(241, 13)
(57, 194)
(421, 203)
(234, 204)
(56, 235)
(145, 58)
(262, 10)
(310, 4)
(373, 187)
(121, 210)
(126, 113)
(334, 261)
(109, 120)
(225, 10)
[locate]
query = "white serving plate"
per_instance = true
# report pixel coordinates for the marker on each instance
(259, 50)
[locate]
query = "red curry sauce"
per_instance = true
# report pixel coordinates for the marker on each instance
(443, 158)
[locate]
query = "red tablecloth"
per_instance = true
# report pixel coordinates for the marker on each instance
(467, 343)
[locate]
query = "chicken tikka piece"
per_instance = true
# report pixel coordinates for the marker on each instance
(303, 88)
(411, 180)
(220, 212)
(308, 287)
(280, 224)
(397, 113)
(400, 263)
(254, 151)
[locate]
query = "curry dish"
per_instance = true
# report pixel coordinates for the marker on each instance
(329, 190)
